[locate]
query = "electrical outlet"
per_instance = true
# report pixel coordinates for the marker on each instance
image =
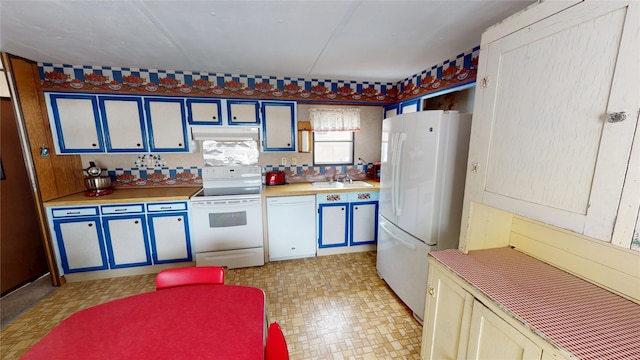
(283, 162)
(294, 161)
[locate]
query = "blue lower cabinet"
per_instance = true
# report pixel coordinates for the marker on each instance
(80, 243)
(332, 225)
(347, 219)
(127, 241)
(170, 241)
(363, 221)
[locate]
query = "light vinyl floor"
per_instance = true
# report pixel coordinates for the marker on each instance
(330, 307)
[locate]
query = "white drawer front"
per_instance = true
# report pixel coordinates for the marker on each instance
(122, 209)
(72, 212)
(166, 207)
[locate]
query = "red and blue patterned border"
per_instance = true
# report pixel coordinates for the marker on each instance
(106, 79)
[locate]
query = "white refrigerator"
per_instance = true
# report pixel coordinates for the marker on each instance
(422, 175)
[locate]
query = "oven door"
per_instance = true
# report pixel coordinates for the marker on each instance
(226, 224)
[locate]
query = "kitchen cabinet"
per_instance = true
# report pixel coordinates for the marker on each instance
(390, 111)
(78, 233)
(167, 124)
(123, 123)
(409, 106)
(549, 142)
(169, 229)
(204, 111)
(278, 126)
(76, 123)
(447, 318)
(127, 240)
(459, 326)
(243, 112)
(491, 337)
(363, 218)
(120, 235)
(85, 123)
(347, 220)
(291, 227)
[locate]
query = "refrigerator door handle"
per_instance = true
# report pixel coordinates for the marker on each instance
(399, 185)
(400, 240)
(394, 161)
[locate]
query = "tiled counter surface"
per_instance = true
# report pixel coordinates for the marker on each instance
(126, 196)
(308, 189)
(585, 320)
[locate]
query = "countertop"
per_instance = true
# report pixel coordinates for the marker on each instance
(184, 193)
(126, 196)
(585, 320)
(308, 189)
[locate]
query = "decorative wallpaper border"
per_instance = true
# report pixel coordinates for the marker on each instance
(107, 79)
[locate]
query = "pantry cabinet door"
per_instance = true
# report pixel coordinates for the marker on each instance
(546, 143)
(447, 318)
(493, 338)
(123, 121)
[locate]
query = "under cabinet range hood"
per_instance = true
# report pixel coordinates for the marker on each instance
(225, 133)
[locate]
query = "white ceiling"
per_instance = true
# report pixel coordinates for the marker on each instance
(340, 40)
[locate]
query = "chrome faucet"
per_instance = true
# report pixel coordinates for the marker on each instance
(343, 178)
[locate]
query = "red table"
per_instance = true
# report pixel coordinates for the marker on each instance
(190, 322)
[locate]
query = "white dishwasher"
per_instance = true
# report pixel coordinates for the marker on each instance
(291, 227)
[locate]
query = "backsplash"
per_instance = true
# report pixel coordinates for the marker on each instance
(128, 178)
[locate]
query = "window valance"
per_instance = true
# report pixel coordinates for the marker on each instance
(335, 119)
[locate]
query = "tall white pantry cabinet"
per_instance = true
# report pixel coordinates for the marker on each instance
(555, 126)
(555, 146)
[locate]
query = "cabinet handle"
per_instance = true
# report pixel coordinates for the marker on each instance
(431, 290)
(180, 144)
(135, 222)
(94, 145)
(90, 224)
(356, 208)
(617, 117)
(180, 219)
(288, 144)
(120, 210)
(165, 207)
(138, 145)
(213, 117)
(73, 212)
(342, 209)
(234, 118)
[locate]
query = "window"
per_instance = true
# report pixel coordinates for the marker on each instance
(333, 148)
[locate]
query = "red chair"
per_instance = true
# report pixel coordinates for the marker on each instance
(195, 275)
(276, 348)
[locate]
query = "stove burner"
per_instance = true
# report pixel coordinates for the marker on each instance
(98, 192)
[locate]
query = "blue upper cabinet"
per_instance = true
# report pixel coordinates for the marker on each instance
(278, 126)
(123, 124)
(167, 124)
(243, 112)
(77, 123)
(390, 111)
(409, 106)
(204, 112)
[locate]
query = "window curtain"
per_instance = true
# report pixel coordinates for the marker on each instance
(335, 119)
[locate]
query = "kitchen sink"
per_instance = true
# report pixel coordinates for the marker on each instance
(339, 185)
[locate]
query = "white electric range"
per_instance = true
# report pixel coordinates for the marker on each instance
(226, 217)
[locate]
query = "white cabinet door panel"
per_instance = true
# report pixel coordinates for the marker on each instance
(123, 124)
(127, 241)
(550, 154)
(167, 124)
(169, 234)
(493, 338)
(78, 125)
